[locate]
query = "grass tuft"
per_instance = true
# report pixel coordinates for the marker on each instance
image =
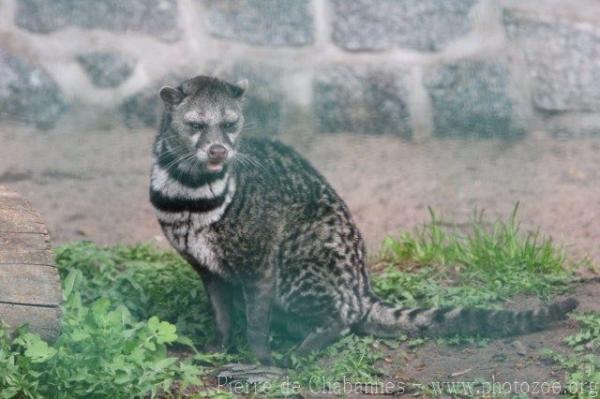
(352, 358)
(490, 261)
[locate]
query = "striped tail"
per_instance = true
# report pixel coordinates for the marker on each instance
(384, 320)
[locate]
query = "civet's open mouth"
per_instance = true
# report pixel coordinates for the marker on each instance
(214, 166)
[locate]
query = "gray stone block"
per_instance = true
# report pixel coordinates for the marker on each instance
(473, 99)
(424, 25)
(572, 125)
(144, 108)
(362, 99)
(562, 58)
(28, 94)
(262, 22)
(106, 69)
(153, 17)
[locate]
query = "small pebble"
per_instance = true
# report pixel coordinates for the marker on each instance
(520, 348)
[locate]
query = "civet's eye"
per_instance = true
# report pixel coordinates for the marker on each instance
(196, 126)
(228, 126)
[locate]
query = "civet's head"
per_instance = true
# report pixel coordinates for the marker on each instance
(204, 117)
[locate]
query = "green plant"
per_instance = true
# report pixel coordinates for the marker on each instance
(103, 351)
(490, 262)
(583, 366)
(588, 338)
(350, 359)
(147, 281)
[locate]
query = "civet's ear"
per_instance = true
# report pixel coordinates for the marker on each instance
(240, 87)
(242, 84)
(171, 96)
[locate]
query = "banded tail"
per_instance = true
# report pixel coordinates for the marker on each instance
(384, 320)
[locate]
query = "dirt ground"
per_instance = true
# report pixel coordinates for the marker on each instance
(93, 185)
(513, 366)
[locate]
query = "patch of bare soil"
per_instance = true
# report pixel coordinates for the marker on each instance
(94, 185)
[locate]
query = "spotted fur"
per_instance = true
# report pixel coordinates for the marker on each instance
(269, 226)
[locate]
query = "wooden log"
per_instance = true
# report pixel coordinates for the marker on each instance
(29, 283)
(42, 320)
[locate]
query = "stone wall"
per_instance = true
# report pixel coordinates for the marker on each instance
(413, 68)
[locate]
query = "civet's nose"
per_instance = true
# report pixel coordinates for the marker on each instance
(217, 152)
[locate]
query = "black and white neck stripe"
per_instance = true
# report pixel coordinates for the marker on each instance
(171, 197)
(182, 204)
